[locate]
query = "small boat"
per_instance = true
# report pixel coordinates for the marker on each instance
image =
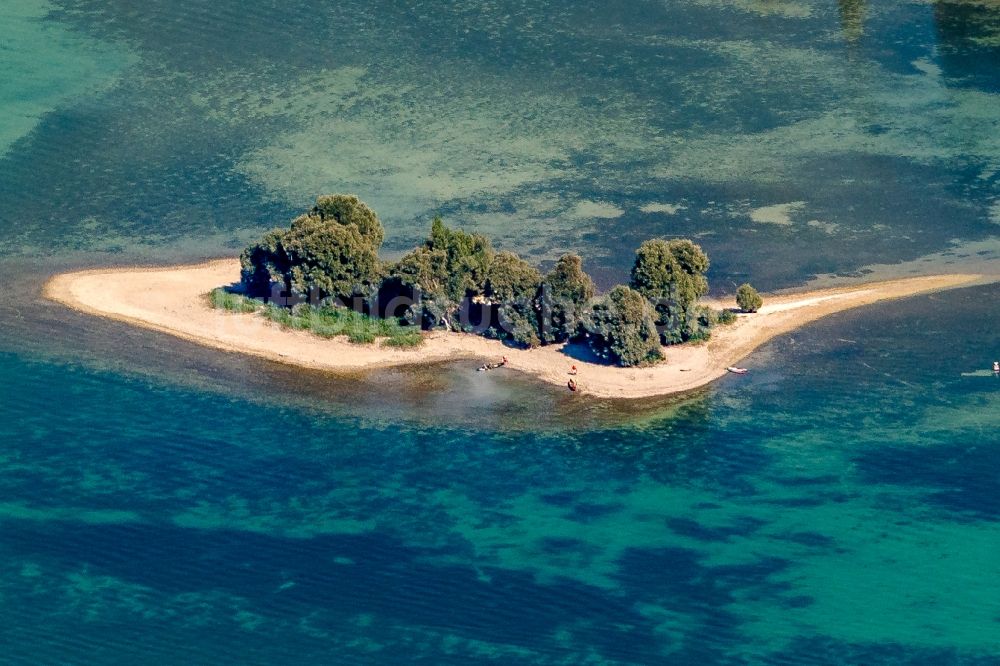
(737, 371)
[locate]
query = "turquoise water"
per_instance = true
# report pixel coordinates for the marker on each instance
(162, 503)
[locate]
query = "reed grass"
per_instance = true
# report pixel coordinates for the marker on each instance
(326, 321)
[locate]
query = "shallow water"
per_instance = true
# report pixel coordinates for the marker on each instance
(162, 503)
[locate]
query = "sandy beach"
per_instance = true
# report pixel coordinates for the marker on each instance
(171, 300)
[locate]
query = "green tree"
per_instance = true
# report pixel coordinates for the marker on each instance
(423, 270)
(439, 276)
(566, 291)
(519, 324)
(511, 289)
(468, 259)
(330, 252)
(621, 328)
(417, 282)
(263, 263)
(347, 209)
(671, 274)
(333, 258)
(456, 278)
(511, 278)
(693, 260)
(748, 299)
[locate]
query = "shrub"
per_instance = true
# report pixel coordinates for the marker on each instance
(467, 259)
(566, 291)
(327, 321)
(748, 299)
(517, 322)
(332, 251)
(725, 317)
(671, 274)
(511, 289)
(264, 263)
(361, 335)
(700, 323)
(621, 329)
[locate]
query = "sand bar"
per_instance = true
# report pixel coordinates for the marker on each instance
(171, 300)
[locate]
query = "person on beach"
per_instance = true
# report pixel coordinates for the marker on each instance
(572, 370)
(493, 366)
(571, 385)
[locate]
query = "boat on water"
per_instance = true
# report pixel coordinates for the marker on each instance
(737, 371)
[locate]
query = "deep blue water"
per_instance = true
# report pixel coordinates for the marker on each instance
(163, 503)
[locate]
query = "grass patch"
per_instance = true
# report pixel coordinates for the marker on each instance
(221, 299)
(404, 340)
(326, 321)
(726, 317)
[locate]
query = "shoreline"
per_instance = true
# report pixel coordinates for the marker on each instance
(172, 300)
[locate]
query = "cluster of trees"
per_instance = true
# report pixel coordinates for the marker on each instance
(457, 280)
(658, 307)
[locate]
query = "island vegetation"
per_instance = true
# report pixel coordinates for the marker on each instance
(328, 320)
(747, 298)
(324, 274)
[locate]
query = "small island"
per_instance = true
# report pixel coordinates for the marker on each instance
(318, 295)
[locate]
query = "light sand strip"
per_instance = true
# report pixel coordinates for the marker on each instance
(172, 300)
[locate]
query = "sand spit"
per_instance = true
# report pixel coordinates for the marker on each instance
(171, 300)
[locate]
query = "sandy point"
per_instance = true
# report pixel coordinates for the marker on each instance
(172, 300)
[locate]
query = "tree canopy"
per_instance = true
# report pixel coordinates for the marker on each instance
(467, 259)
(458, 280)
(566, 291)
(423, 270)
(621, 328)
(671, 274)
(332, 251)
(349, 210)
(334, 258)
(511, 290)
(510, 278)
